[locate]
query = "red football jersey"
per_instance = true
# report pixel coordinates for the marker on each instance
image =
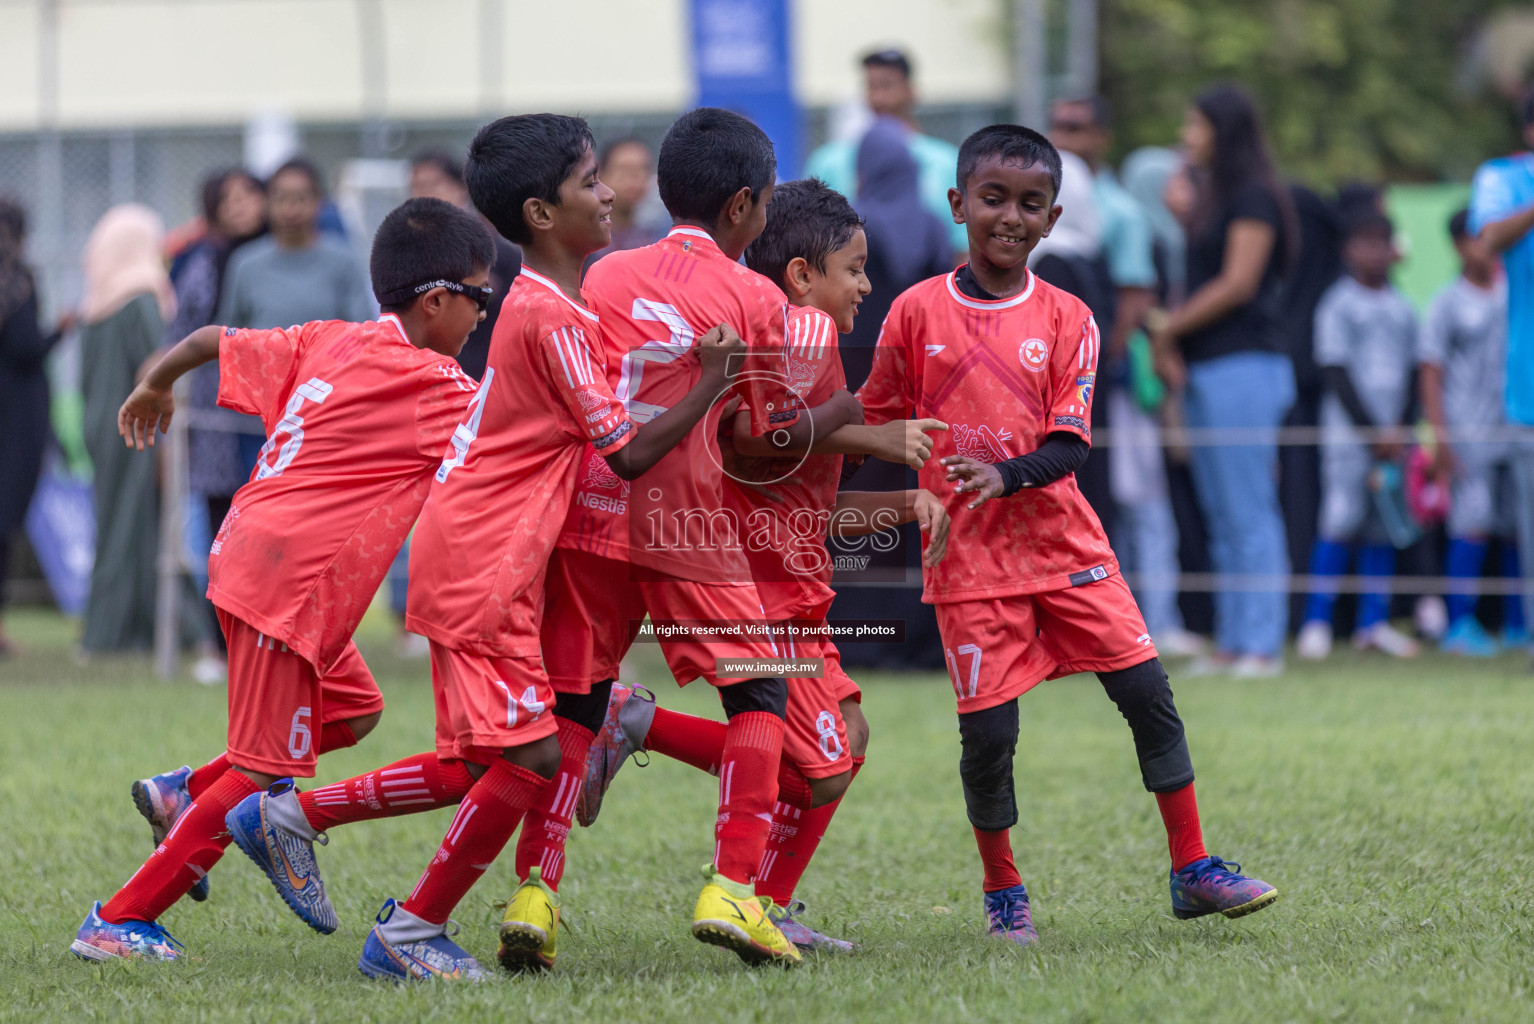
(357, 419)
(782, 505)
(654, 301)
(1003, 375)
(479, 553)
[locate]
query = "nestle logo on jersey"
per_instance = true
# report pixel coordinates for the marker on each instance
(602, 502)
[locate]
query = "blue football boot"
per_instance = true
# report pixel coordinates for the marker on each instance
(402, 947)
(162, 800)
(1008, 916)
(132, 940)
(1211, 886)
(270, 827)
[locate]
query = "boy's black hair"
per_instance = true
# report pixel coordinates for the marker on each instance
(1459, 225)
(302, 165)
(707, 156)
(522, 157)
(425, 240)
(448, 165)
(1009, 143)
(609, 148)
(805, 219)
(1369, 224)
(889, 58)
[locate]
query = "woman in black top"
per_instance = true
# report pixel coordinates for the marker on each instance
(1224, 347)
(23, 388)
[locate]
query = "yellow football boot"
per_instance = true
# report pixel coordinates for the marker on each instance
(729, 914)
(530, 929)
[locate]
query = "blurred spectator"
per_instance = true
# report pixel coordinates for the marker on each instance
(128, 298)
(23, 389)
(1366, 336)
(1502, 214)
(907, 242)
(627, 166)
(1071, 258)
(295, 274)
(234, 211)
(1224, 347)
(437, 174)
(1461, 353)
(222, 446)
(1142, 526)
(1146, 173)
(888, 88)
(1081, 126)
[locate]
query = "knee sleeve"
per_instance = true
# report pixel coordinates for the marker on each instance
(1145, 700)
(585, 709)
(989, 742)
(770, 695)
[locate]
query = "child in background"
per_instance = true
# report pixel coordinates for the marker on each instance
(1461, 353)
(1365, 343)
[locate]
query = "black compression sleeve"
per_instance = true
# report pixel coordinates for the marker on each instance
(1061, 453)
(1336, 380)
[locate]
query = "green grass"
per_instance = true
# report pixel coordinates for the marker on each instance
(1389, 803)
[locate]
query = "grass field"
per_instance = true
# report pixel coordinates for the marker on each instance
(1390, 804)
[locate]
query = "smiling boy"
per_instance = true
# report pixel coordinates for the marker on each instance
(1030, 589)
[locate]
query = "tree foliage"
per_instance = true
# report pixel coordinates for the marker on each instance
(1351, 89)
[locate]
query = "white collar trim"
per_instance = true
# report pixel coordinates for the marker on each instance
(695, 233)
(537, 278)
(964, 300)
(391, 318)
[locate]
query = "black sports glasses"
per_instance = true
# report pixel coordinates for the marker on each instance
(481, 294)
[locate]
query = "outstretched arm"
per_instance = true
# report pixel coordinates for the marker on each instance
(858, 513)
(151, 404)
(825, 419)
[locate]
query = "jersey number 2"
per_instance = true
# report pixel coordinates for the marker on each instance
(631, 370)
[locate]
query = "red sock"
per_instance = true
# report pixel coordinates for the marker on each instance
(486, 819)
(194, 845)
(791, 842)
(547, 824)
(420, 783)
(333, 736)
(748, 787)
(198, 782)
(996, 856)
(1184, 836)
(687, 738)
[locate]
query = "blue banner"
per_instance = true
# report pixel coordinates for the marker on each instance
(742, 56)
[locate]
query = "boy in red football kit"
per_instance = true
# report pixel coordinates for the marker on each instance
(480, 550)
(358, 416)
(666, 547)
(814, 247)
(1030, 589)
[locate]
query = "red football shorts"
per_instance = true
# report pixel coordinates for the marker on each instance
(1000, 647)
(277, 701)
(486, 704)
(592, 612)
(815, 736)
